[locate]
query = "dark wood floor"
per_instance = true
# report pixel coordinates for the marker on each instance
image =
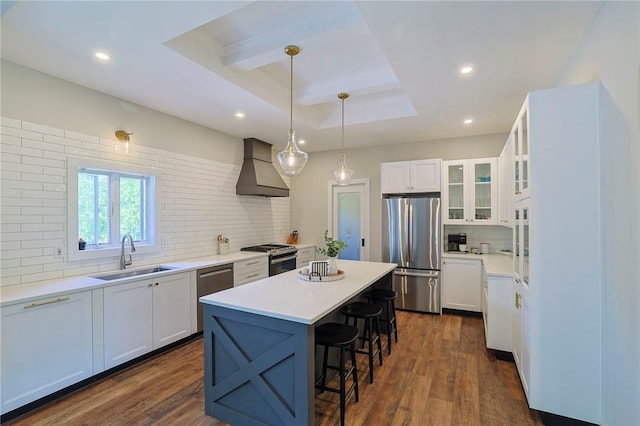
(440, 373)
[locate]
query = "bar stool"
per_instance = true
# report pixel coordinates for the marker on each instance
(388, 297)
(343, 337)
(369, 313)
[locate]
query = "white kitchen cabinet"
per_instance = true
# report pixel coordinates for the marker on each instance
(497, 311)
(506, 184)
(520, 334)
(46, 346)
(402, 177)
(171, 309)
(461, 284)
(128, 327)
(557, 324)
(304, 256)
(144, 315)
(248, 270)
(470, 194)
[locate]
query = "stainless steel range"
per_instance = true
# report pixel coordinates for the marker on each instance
(282, 257)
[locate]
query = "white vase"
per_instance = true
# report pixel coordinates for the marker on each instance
(333, 266)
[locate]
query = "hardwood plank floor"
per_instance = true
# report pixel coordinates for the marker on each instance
(439, 373)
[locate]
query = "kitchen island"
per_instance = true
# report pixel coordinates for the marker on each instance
(259, 343)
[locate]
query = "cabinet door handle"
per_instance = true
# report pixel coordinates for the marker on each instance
(156, 284)
(518, 301)
(48, 302)
(150, 285)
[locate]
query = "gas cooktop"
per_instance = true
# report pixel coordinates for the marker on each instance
(272, 249)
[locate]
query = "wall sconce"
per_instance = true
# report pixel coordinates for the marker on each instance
(123, 136)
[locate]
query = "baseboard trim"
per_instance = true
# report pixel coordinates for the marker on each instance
(461, 312)
(550, 419)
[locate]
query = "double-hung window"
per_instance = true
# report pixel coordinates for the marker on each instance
(108, 201)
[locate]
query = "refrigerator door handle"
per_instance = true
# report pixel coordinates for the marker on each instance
(410, 234)
(418, 274)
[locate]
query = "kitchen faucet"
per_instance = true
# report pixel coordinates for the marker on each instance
(124, 263)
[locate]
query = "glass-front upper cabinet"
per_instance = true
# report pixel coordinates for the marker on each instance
(471, 191)
(520, 134)
(455, 188)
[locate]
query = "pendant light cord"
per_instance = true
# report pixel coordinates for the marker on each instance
(291, 99)
(343, 126)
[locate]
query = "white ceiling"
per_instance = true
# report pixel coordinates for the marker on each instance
(206, 60)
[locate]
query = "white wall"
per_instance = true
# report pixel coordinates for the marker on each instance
(309, 198)
(610, 52)
(199, 168)
(41, 98)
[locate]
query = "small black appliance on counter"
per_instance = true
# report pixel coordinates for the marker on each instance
(454, 241)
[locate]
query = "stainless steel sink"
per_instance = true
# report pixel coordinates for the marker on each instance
(132, 273)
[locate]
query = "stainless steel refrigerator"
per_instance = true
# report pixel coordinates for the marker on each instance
(411, 237)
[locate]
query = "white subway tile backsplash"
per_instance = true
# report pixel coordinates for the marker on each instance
(20, 236)
(18, 218)
(47, 130)
(198, 203)
(42, 227)
(12, 131)
(9, 158)
(44, 146)
(10, 122)
(11, 210)
(80, 136)
(28, 278)
(10, 140)
(498, 237)
(42, 162)
(23, 168)
(56, 195)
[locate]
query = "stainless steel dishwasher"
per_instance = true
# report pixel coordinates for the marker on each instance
(212, 280)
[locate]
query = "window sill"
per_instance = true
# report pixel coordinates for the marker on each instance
(75, 253)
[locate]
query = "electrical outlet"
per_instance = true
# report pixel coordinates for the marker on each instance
(59, 251)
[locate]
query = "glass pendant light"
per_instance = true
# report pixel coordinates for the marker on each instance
(292, 159)
(343, 173)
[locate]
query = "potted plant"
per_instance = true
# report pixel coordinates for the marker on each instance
(333, 249)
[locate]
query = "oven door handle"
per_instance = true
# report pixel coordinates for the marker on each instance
(282, 259)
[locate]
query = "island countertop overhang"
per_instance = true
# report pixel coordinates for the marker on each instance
(286, 297)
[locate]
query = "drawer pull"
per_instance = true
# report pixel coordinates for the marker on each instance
(253, 263)
(59, 299)
(253, 275)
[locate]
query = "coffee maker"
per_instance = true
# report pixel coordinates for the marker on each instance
(454, 241)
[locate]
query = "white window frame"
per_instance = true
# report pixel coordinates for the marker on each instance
(74, 166)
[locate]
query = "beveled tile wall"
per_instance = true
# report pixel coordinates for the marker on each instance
(198, 203)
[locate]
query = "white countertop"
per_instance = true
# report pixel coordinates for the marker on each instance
(21, 293)
(496, 265)
(284, 296)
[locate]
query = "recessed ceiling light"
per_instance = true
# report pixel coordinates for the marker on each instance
(301, 141)
(466, 70)
(468, 121)
(102, 56)
(239, 114)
